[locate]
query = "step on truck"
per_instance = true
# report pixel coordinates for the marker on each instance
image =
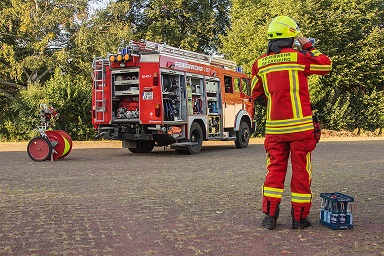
(151, 94)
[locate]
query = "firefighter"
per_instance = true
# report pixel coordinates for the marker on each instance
(279, 82)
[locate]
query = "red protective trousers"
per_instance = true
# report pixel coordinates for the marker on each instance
(279, 147)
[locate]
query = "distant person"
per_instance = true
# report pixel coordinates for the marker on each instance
(280, 82)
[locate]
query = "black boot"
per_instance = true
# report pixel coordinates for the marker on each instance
(270, 222)
(300, 224)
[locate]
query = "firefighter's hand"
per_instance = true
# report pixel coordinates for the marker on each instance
(304, 42)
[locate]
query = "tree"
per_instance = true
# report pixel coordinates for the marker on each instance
(35, 39)
(193, 25)
(350, 32)
(69, 96)
(32, 33)
(247, 37)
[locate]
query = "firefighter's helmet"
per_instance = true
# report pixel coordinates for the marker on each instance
(282, 27)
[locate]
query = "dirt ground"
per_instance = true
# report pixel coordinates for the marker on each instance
(19, 146)
(103, 200)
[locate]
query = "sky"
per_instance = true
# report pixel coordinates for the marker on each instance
(98, 4)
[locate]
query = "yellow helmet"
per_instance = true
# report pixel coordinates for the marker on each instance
(282, 27)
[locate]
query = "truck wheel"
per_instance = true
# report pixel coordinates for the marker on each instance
(242, 136)
(195, 135)
(146, 146)
(133, 150)
(143, 146)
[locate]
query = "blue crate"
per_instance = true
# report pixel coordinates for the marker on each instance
(336, 210)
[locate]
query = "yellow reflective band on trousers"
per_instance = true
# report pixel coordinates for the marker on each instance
(308, 167)
(301, 198)
(268, 157)
(273, 192)
(314, 67)
(289, 125)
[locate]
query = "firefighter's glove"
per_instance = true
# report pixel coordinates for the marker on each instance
(307, 46)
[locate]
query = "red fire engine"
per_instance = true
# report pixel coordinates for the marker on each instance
(151, 94)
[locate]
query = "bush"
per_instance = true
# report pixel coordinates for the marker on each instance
(69, 95)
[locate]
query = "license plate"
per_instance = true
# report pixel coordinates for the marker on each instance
(147, 95)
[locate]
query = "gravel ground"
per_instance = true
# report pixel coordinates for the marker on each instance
(104, 200)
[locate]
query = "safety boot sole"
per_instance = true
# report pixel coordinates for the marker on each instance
(301, 224)
(269, 222)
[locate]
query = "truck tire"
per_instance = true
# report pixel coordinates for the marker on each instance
(242, 136)
(143, 146)
(195, 135)
(133, 150)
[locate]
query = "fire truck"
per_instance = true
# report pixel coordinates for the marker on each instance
(151, 94)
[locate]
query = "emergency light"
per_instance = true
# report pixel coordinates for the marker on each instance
(127, 57)
(112, 58)
(119, 57)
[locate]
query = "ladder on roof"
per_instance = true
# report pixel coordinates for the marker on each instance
(217, 61)
(177, 52)
(165, 49)
(99, 79)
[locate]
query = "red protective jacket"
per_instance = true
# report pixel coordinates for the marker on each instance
(282, 79)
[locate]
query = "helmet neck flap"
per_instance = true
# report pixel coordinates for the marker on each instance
(276, 45)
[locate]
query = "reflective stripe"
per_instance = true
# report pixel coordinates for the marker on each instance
(287, 122)
(314, 67)
(268, 157)
(289, 125)
(301, 198)
(294, 92)
(254, 82)
(294, 86)
(316, 52)
(291, 129)
(268, 95)
(309, 166)
(273, 192)
(281, 67)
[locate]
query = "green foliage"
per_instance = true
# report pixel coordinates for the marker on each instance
(193, 25)
(334, 116)
(260, 113)
(31, 34)
(47, 48)
(70, 96)
(350, 32)
(367, 110)
(4, 113)
(247, 38)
